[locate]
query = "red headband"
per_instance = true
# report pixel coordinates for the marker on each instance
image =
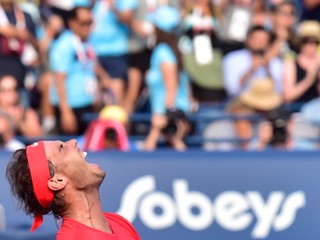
(40, 174)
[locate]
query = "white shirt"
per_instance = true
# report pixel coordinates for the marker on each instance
(237, 63)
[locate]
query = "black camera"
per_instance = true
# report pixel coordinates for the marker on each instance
(279, 120)
(173, 115)
(258, 52)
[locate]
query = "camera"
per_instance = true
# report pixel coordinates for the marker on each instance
(173, 115)
(279, 120)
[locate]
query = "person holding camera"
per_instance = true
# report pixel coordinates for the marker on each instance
(242, 67)
(167, 83)
(280, 130)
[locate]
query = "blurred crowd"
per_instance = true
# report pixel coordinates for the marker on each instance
(249, 67)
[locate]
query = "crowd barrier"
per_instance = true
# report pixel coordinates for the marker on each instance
(200, 195)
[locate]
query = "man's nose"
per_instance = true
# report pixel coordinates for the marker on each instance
(72, 143)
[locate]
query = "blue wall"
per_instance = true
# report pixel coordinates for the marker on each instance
(199, 195)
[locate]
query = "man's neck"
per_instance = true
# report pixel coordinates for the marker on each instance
(85, 207)
(77, 35)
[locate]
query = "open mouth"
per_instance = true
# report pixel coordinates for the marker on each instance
(92, 164)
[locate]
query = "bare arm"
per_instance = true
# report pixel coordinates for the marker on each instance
(170, 78)
(293, 90)
(102, 75)
(257, 61)
(31, 126)
(59, 79)
(8, 31)
(68, 119)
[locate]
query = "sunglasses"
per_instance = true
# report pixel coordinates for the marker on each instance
(310, 41)
(286, 14)
(13, 89)
(85, 23)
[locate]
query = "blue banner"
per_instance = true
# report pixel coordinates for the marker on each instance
(211, 196)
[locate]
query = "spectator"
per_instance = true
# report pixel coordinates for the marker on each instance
(110, 41)
(201, 53)
(63, 8)
(25, 119)
(52, 27)
(277, 132)
(7, 133)
(260, 98)
(284, 17)
(301, 73)
(140, 46)
(17, 36)
(73, 63)
(242, 66)
(168, 85)
(310, 10)
(260, 14)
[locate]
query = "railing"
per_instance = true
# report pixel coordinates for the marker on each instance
(208, 114)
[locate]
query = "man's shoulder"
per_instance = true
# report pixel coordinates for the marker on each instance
(65, 39)
(162, 47)
(164, 52)
(121, 225)
(237, 54)
(116, 218)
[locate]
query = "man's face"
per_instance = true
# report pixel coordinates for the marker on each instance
(8, 91)
(258, 41)
(70, 162)
(285, 16)
(82, 23)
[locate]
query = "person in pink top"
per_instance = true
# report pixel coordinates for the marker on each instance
(53, 168)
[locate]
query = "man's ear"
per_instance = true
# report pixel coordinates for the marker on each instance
(57, 182)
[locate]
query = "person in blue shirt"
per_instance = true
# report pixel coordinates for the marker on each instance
(167, 83)
(110, 40)
(74, 67)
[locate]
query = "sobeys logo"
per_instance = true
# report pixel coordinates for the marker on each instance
(231, 210)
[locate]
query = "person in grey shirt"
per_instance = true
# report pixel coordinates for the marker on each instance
(140, 46)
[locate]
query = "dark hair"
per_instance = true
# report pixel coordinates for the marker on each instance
(172, 40)
(257, 28)
(210, 4)
(18, 175)
(73, 13)
(275, 8)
